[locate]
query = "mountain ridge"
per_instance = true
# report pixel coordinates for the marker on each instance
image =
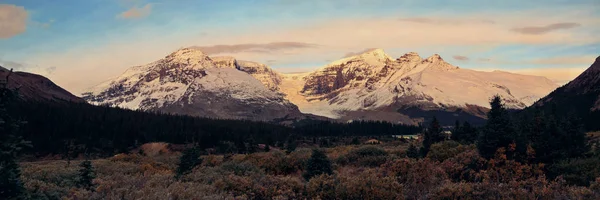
(353, 87)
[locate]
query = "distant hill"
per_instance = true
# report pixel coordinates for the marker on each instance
(33, 87)
(580, 97)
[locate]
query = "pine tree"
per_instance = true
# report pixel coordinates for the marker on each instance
(267, 148)
(86, 175)
(291, 144)
(11, 144)
(317, 164)
(432, 135)
(497, 132)
(412, 151)
(457, 132)
(355, 141)
(188, 160)
(252, 146)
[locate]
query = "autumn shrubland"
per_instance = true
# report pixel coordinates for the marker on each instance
(449, 171)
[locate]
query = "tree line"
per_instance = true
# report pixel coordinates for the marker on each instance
(52, 127)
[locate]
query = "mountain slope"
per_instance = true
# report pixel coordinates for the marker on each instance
(580, 97)
(189, 82)
(33, 87)
(375, 86)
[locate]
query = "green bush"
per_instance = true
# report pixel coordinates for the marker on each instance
(367, 156)
(579, 171)
(447, 149)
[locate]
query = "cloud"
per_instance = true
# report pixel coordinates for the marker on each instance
(358, 53)
(253, 48)
(136, 13)
(484, 60)
(537, 30)
(461, 58)
(13, 20)
(565, 60)
(445, 21)
(10, 64)
(557, 75)
(50, 70)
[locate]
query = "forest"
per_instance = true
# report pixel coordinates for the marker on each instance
(533, 155)
(107, 130)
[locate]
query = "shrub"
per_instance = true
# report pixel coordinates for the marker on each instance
(367, 156)
(241, 168)
(418, 177)
(579, 171)
(447, 149)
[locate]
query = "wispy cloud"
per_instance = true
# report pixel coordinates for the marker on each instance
(565, 60)
(461, 58)
(440, 21)
(254, 48)
(358, 53)
(12, 65)
(136, 12)
(537, 30)
(13, 20)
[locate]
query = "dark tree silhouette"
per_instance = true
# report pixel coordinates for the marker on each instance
(498, 131)
(317, 164)
(86, 175)
(11, 144)
(432, 135)
(188, 160)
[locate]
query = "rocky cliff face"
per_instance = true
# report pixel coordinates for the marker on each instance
(189, 82)
(261, 72)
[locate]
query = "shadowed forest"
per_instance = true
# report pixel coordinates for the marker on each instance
(54, 151)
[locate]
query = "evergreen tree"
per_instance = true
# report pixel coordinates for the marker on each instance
(317, 164)
(188, 160)
(291, 144)
(465, 133)
(432, 135)
(267, 148)
(355, 141)
(11, 144)
(86, 175)
(412, 151)
(240, 146)
(497, 132)
(469, 133)
(252, 146)
(457, 132)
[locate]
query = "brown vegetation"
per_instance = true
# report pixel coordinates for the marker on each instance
(450, 171)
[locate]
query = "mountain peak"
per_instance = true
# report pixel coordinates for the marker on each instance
(434, 58)
(188, 52)
(374, 55)
(410, 57)
(596, 63)
(190, 56)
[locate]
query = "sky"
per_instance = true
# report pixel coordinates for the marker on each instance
(79, 44)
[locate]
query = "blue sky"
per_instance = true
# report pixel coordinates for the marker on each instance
(81, 43)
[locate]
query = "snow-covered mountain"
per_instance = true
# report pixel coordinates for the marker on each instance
(369, 86)
(189, 82)
(376, 86)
